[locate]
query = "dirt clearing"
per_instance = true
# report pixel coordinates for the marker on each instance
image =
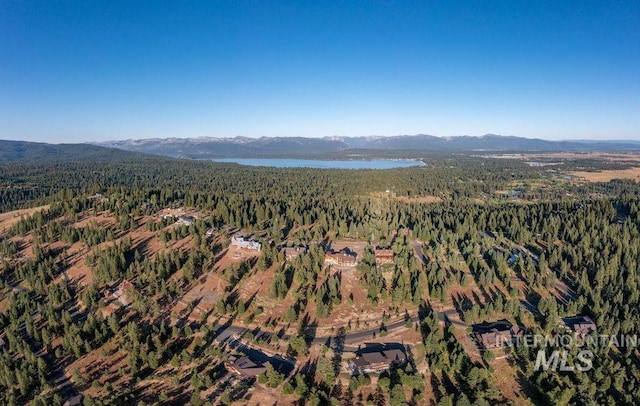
(608, 175)
(11, 217)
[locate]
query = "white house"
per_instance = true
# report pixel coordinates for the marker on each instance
(243, 243)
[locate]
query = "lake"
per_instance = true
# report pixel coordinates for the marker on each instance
(323, 164)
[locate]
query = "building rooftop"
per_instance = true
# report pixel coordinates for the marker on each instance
(245, 366)
(384, 255)
(293, 252)
(342, 257)
(581, 325)
(244, 243)
(385, 357)
(497, 334)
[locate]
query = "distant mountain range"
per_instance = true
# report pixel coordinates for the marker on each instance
(207, 147)
(403, 146)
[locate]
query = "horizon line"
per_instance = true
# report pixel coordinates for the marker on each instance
(223, 138)
(257, 137)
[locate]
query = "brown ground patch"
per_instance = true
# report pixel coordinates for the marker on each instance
(261, 396)
(256, 289)
(146, 242)
(24, 244)
(78, 270)
(235, 254)
(604, 156)
(356, 246)
(509, 384)
(419, 199)
(406, 199)
(103, 368)
(467, 295)
(4, 303)
(204, 296)
(11, 217)
(182, 211)
(369, 315)
(608, 175)
(103, 219)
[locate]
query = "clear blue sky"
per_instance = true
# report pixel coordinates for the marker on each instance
(76, 71)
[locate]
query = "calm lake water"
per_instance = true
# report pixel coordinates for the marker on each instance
(322, 164)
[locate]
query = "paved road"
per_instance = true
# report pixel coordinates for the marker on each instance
(257, 355)
(226, 333)
(367, 334)
(417, 251)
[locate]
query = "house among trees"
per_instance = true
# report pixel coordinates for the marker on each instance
(242, 243)
(293, 252)
(384, 256)
(98, 196)
(186, 220)
(344, 257)
(580, 325)
(244, 366)
(513, 257)
(496, 335)
(120, 293)
(377, 359)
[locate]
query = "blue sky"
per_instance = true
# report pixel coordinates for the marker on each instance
(77, 71)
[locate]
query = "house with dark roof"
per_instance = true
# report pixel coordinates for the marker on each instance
(244, 366)
(377, 359)
(513, 258)
(496, 335)
(580, 325)
(186, 220)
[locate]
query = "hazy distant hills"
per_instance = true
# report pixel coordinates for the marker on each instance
(206, 147)
(231, 147)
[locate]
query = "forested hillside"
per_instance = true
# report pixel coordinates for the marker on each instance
(120, 280)
(33, 152)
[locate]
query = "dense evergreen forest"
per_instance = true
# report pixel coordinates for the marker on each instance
(586, 235)
(25, 184)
